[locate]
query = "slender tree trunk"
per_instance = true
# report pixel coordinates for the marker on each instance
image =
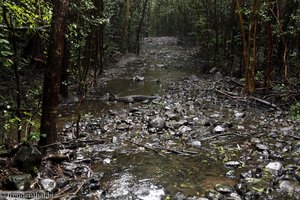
(126, 25)
(139, 28)
(13, 40)
(53, 74)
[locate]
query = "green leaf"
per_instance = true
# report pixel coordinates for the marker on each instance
(4, 41)
(6, 53)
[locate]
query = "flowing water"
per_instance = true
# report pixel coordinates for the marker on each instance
(149, 171)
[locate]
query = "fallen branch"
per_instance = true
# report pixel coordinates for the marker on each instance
(215, 136)
(248, 99)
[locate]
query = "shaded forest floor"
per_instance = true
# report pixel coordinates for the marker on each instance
(159, 126)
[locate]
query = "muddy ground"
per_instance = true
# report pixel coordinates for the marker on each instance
(159, 126)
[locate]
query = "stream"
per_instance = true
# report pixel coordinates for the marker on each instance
(161, 149)
(191, 143)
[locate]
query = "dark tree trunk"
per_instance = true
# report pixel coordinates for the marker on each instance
(139, 28)
(64, 70)
(53, 74)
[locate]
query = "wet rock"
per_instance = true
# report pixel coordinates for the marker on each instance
(178, 108)
(48, 184)
(251, 195)
(234, 196)
(297, 175)
(138, 78)
(207, 123)
(261, 147)
(296, 147)
(227, 125)
(28, 158)
(107, 161)
(232, 164)
(224, 189)
(255, 140)
(231, 174)
(184, 129)
(196, 143)
(17, 182)
(122, 127)
(239, 114)
(218, 129)
(158, 123)
(172, 116)
(274, 167)
(246, 174)
(62, 182)
(94, 182)
(213, 195)
(289, 186)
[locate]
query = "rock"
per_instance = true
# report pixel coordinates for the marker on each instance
(17, 182)
(138, 78)
(224, 189)
(94, 182)
(289, 186)
(184, 129)
(107, 161)
(261, 147)
(274, 166)
(196, 143)
(122, 127)
(28, 158)
(297, 175)
(158, 123)
(48, 184)
(255, 140)
(230, 174)
(232, 164)
(62, 182)
(239, 114)
(234, 196)
(246, 174)
(170, 115)
(213, 195)
(218, 129)
(296, 147)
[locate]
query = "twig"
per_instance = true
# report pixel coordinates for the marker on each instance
(215, 136)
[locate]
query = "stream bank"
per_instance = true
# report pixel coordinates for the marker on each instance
(192, 142)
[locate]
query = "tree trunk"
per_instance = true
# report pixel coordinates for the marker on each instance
(126, 25)
(53, 74)
(139, 28)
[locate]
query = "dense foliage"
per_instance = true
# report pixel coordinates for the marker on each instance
(257, 41)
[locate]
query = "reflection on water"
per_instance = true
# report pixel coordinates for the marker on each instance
(188, 175)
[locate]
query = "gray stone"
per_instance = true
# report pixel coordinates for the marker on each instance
(28, 158)
(239, 114)
(17, 182)
(218, 129)
(231, 174)
(289, 186)
(184, 129)
(261, 147)
(213, 195)
(157, 122)
(224, 189)
(232, 164)
(196, 143)
(274, 166)
(48, 184)
(139, 78)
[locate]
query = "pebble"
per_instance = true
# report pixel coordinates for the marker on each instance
(218, 129)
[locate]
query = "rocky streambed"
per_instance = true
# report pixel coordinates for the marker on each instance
(201, 139)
